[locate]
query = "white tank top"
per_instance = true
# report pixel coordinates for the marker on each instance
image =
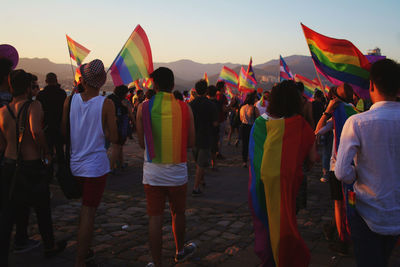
(88, 152)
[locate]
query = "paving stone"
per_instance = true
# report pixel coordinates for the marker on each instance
(212, 233)
(229, 236)
(237, 225)
(103, 238)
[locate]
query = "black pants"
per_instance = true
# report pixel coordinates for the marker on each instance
(35, 194)
(246, 129)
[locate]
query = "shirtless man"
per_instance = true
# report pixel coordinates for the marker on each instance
(31, 188)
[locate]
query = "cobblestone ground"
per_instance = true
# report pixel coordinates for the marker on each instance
(219, 222)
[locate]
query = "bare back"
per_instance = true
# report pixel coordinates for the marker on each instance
(29, 149)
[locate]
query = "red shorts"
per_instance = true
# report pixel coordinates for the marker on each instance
(92, 189)
(156, 195)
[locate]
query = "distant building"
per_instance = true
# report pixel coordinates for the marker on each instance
(374, 52)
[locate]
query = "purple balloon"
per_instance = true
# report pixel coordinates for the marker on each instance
(9, 52)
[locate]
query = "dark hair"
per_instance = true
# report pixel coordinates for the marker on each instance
(140, 91)
(212, 91)
(20, 81)
(300, 87)
(186, 93)
(149, 94)
(332, 89)
(81, 89)
(385, 75)
(178, 95)
(284, 100)
(5, 68)
(201, 87)
(51, 78)
(121, 91)
(163, 78)
(318, 94)
(250, 98)
(220, 85)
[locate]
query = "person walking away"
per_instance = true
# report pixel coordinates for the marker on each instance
(206, 121)
(369, 156)
(212, 93)
(223, 115)
(124, 115)
(29, 186)
(248, 114)
(92, 121)
(276, 175)
(52, 98)
(165, 130)
(342, 98)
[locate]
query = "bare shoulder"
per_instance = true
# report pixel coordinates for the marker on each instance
(36, 106)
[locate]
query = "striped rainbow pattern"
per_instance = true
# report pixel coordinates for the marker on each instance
(147, 83)
(342, 112)
(284, 71)
(246, 82)
(77, 74)
(165, 123)
(76, 51)
(229, 77)
(309, 86)
(134, 61)
(339, 61)
(205, 77)
(276, 150)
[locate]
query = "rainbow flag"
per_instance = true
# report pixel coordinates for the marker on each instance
(134, 61)
(246, 82)
(277, 152)
(284, 71)
(339, 61)
(135, 84)
(147, 83)
(77, 74)
(309, 86)
(205, 77)
(165, 123)
(229, 77)
(250, 71)
(76, 51)
(230, 95)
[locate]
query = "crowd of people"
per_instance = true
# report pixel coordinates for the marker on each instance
(360, 153)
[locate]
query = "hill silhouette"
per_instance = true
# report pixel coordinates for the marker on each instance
(187, 72)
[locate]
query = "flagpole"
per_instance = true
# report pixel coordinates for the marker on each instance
(69, 52)
(120, 51)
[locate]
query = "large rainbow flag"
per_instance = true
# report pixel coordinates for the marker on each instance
(76, 51)
(309, 86)
(246, 82)
(229, 77)
(134, 61)
(339, 61)
(284, 71)
(277, 150)
(165, 123)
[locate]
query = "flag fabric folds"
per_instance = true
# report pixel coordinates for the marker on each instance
(284, 71)
(76, 51)
(339, 61)
(250, 71)
(205, 77)
(147, 83)
(134, 61)
(229, 77)
(77, 74)
(165, 125)
(309, 86)
(277, 150)
(246, 82)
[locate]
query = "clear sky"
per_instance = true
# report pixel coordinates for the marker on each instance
(204, 31)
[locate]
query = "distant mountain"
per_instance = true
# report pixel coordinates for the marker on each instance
(187, 72)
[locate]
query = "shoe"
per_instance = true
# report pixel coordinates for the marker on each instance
(29, 245)
(150, 264)
(58, 248)
(196, 193)
(188, 250)
(341, 248)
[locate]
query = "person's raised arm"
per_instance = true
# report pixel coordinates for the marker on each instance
(327, 114)
(139, 126)
(110, 121)
(191, 130)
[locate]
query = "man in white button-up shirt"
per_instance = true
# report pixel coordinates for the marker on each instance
(372, 141)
